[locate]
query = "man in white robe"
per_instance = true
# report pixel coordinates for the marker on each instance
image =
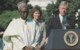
(16, 36)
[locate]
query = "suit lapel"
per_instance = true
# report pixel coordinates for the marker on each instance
(58, 20)
(58, 24)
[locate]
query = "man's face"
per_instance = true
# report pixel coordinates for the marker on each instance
(63, 9)
(23, 12)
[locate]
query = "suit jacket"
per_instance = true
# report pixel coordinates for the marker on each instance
(41, 33)
(54, 23)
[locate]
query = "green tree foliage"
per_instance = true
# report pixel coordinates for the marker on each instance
(45, 16)
(50, 8)
(9, 4)
(6, 18)
(73, 6)
(8, 11)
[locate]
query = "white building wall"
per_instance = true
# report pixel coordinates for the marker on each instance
(41, 3)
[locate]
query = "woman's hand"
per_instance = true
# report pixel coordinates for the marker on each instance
(38, 47)
(27, 48)
(46, 40)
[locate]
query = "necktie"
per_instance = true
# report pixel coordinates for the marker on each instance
(64, 21)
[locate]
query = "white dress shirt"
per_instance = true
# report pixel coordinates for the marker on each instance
(61, 20)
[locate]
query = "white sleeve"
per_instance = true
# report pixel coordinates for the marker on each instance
(17, 43)
(8, 38)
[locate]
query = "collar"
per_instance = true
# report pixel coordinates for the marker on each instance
(60, 17)
(35, 22)
(24, 21)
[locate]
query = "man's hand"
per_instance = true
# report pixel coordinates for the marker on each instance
(1, 33)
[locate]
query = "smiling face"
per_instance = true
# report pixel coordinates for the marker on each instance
(36, 15)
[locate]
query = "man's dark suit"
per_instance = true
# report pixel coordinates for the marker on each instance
(54, 23)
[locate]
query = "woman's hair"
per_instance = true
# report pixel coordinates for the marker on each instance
(36, 8)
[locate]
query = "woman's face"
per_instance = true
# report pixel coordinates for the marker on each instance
(36, 15)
